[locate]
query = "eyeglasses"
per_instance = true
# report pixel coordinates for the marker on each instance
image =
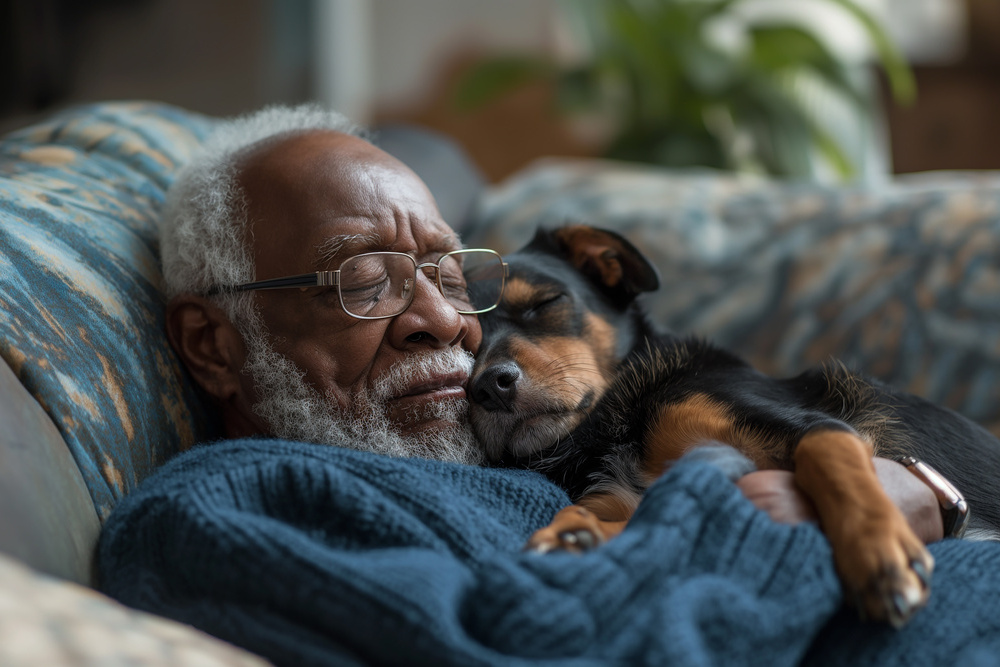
(377, 285)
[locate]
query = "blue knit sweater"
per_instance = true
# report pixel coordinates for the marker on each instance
(319, 555)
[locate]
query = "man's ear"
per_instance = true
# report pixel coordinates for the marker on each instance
(208, 343)
(608, 259)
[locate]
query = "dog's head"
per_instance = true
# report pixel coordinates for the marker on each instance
(551, 348)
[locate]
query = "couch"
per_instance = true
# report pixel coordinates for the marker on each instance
(899, 278)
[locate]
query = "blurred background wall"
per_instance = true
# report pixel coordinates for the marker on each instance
(388, 61)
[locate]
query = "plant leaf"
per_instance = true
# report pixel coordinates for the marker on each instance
(577, 89)
(778, 47)
(897, 71)
(494, 78)
(786, 133)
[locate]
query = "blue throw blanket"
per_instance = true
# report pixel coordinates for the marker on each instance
(320, 555)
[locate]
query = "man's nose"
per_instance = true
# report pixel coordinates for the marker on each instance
(430, 319)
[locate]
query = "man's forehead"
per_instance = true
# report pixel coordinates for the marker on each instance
(341, 246)
(321, 198)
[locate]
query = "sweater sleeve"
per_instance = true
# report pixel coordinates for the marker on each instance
(318, 555)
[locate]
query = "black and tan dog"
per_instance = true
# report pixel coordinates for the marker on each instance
(572, 380)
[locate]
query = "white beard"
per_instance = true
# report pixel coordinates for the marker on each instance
(295, 410)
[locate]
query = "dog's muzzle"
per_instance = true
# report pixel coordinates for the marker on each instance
(496, 387)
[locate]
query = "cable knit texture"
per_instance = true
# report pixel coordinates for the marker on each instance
(320, 555)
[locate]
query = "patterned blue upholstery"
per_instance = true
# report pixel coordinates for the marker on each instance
(900, 280)
(81, 312)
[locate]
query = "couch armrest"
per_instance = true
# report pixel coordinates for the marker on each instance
(48, 519)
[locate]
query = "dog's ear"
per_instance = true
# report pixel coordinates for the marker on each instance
(608, 259)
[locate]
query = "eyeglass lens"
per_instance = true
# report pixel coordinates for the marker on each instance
(382, 284)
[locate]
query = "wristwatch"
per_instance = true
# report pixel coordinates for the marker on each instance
(954, 509)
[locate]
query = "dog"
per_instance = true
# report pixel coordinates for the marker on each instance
(573, 380)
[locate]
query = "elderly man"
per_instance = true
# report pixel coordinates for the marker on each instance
(292, 193)
(315, 296)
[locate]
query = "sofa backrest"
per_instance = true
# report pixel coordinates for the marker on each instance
(899, 279)
(81, 310)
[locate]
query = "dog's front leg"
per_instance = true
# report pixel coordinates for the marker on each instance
(882, 563)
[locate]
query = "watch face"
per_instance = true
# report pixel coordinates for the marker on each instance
(961, 519)
(954, 508)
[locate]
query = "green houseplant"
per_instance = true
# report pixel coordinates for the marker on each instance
(697, 82)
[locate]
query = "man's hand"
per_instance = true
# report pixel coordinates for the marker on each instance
(775, 492)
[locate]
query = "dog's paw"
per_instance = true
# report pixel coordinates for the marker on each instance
(887, 573)
(574, 529)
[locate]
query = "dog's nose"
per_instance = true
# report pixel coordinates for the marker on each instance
(496, 387)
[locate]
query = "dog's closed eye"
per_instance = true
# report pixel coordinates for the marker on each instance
(541, 306)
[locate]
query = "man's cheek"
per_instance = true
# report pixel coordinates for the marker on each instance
(475, 336)
(323, 378)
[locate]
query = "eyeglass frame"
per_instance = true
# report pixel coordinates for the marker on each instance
(332, 279)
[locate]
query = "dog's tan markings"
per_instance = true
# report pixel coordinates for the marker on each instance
(882, 563)
(601, 336)
(565, 366)
(518, 293)
(610, 506)
(695, 421)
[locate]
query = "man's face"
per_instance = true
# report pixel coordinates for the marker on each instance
(314, 200)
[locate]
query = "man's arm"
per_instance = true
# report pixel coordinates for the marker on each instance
(775, 492)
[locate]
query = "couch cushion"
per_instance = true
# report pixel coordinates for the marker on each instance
(81, 312)
(49, 622)
(900, 280)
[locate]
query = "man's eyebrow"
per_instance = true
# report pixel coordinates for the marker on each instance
(333, 246)
(446, 243)
(339, 244)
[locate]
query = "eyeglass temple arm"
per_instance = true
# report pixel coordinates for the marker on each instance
(317, 279)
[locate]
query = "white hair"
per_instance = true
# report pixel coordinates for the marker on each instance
(203, 223)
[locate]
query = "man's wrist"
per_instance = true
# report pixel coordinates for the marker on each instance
(913, 497)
